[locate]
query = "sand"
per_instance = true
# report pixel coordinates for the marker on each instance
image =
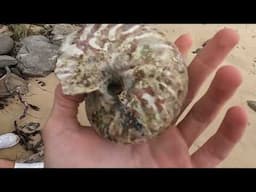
(243, 57)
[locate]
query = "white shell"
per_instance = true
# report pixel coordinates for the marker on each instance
(8, 140)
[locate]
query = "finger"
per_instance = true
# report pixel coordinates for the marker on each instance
(184, 43)
(6, 163)
(209, 58)
(224, 85)
(216, 149)
(65, 107)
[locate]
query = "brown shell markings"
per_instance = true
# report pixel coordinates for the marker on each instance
(134, 78)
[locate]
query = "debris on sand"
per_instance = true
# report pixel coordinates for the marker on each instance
(252, 105)
(199, 49)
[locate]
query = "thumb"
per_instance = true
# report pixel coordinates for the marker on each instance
(65, 107)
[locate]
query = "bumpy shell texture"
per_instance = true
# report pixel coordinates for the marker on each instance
(135, 80)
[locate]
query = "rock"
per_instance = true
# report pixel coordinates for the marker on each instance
(196, 51)
(2, 72)
(252, 105)
(9, 84)
(6, 44)
(60, 31)
(16, 71)
(6, 60)
(33, 39)
(21, 31)
(4, 30)
(37, 57)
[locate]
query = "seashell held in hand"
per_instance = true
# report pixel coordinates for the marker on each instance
(135, 80)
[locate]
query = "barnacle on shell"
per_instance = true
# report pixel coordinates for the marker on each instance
(134, 78)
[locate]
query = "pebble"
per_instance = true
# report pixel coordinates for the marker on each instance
(252, 105)
(6, 60)
(6, 44)
(60, 31)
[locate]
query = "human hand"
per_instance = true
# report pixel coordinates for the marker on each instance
(68, 144)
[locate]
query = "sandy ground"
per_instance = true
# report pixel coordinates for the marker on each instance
(243, 57)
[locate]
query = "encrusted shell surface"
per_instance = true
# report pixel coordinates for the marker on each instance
(135, 80)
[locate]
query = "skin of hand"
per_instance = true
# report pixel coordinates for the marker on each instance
(68, 144)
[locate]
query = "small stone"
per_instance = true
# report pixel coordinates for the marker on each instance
(9, 84)
(6, 44)
(60, 31)
(205, 43)
(36, 29)
(37, 56)
(20, 31)
(7, 61)
(252, 105)
(8, 140)
(197, 51)
(4, 30)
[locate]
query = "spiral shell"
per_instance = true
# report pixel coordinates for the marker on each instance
(135, 80)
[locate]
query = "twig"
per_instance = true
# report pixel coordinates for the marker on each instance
(34, 107)
(26, 105)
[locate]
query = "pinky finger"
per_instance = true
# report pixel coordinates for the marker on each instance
(216, 149)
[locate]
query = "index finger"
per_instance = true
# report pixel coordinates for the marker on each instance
(184, 43)
(209, 58)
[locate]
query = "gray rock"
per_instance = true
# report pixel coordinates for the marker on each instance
(16, 71)
(2, 72)
(6, 44)
(60, 31)
(6, 60)
(252, 105)
(37, 57)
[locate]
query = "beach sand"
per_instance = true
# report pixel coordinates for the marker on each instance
(243, 57)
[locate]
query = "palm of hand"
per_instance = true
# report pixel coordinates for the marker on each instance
(68, 144)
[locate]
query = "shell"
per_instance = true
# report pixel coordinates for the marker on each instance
(8, 140)
(134, 79)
